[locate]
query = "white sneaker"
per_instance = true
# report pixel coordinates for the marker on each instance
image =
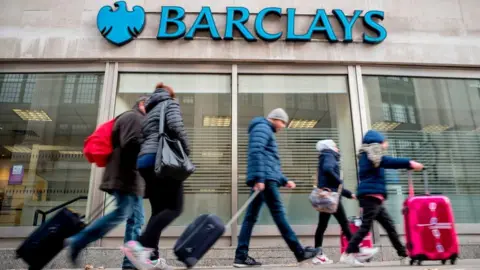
(366, 254)
(161, 264)
(350, 259)
(321, 259)
(138, 255)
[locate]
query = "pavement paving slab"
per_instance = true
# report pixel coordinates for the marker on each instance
(395, 265)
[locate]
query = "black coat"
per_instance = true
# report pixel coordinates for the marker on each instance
(329, 172)
(173, 123)
(121, 171)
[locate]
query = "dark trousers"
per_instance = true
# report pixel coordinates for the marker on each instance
(271, 196)
(373, 209)
(323, 224)
(166, 200)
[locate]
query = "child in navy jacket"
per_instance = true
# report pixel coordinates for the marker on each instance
(372, 192)
(329, 177)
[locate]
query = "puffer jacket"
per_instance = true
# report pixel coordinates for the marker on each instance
(174, 126)
(263, 158)
(329, 172)
(372, 164)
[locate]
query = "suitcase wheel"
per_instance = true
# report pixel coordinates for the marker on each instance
(444, 262)
(412, 261)
(419, 262)
(190, 262)
(453, 261)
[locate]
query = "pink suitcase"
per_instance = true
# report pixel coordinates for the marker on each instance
(354, 224)
(429, 227)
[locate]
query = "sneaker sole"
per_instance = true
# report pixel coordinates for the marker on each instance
(365, 258)
(307, 261)
(236, 265)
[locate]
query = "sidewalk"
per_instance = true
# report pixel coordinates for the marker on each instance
(461, 265)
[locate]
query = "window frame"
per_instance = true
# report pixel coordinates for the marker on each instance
(407, 71)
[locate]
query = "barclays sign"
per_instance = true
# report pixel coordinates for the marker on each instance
(120, 26)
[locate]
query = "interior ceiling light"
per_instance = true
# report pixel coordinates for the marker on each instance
(217, 121)
(385, 126)
(300, 123)
(32, 115)
(435, 128)
(18, 149)
(70, 152)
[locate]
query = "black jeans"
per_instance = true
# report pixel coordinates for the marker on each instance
(271, 196)
(323, 224)
(373, 209)
(166, 200)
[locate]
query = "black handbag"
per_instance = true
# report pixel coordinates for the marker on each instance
(171, 161)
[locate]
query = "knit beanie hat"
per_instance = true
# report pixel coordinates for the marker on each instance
(278, 114)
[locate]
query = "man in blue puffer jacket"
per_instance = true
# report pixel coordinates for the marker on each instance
(264, 173)
(372, 192)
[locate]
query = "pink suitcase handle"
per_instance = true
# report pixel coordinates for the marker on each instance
(411, 191)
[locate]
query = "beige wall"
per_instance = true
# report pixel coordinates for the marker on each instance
(430, 32)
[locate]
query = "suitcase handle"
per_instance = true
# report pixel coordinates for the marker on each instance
(411, 191)
(244, 206)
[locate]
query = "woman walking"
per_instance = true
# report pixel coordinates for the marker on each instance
(329, 177)
(165, 195)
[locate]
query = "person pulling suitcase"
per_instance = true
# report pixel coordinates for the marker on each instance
(371, 194)
(264, 174)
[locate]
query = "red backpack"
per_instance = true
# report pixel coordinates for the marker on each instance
(98, 146)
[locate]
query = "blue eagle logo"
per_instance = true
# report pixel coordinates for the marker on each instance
(120, 26)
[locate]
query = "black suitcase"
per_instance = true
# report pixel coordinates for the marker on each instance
(202, 234)
(45, 242)
(48, 240)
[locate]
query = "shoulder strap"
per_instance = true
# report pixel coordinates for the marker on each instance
(162, 117)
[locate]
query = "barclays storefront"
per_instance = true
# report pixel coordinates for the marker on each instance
(338, 68)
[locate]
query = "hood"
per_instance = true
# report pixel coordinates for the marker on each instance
(158, 96)
(259, 120)
(136, 106)
(325, 145)
(373, 136)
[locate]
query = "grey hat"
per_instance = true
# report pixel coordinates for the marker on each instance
(278, 114)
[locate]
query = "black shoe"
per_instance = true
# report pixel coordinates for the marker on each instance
(248, 262)
(129, 268)
(308, 254)
(73, 255)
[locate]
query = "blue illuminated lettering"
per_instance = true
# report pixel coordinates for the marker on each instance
(291, 36)
(326, 27)
(374, 26)
(260, 31)
(347, 25)
(205, 14)
(239, 24)
(166, 19)
(120, 26)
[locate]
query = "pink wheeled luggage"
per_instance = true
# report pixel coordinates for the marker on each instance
(354, 224)
(429, 227)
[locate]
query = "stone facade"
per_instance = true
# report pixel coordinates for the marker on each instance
(427, 32)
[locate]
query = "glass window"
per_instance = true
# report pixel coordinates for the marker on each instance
(205, 101)
(41, 160)
(319, 109)
(442, 131)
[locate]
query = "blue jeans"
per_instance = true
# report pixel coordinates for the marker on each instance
(134, 227)
(100, 227)
(271, 196)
